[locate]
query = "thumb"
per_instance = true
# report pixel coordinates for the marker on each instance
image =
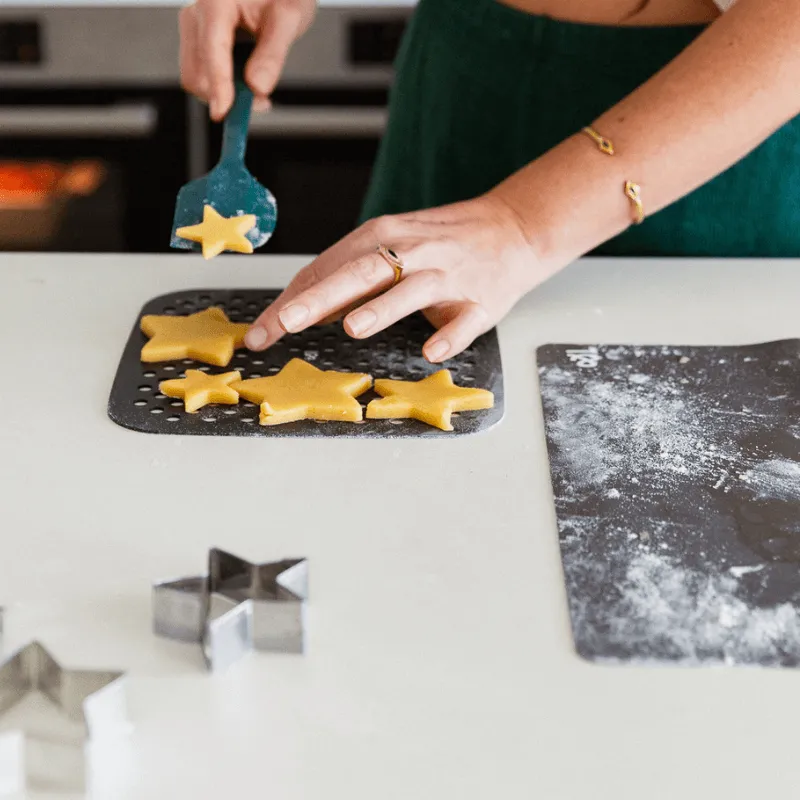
(263, 69)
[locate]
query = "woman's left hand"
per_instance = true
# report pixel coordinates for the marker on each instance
(465, 265)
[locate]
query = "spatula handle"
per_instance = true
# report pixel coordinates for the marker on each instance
(234, 133)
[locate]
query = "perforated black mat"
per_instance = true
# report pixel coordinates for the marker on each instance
(136, 403)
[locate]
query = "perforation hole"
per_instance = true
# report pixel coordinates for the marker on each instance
(148, 374)
(172, 418)
(140, 403)
(177, 403)
(145, 388)
(156, 410)
(229, 411)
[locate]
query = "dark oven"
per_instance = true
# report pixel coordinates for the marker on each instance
(93, 129)
(96, 136)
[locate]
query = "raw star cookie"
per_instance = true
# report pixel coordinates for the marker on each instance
(431, 400)
(198, 389)
(217, 233)
(301, 391)
(207, 336)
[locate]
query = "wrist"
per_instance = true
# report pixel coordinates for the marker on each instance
(568, 201)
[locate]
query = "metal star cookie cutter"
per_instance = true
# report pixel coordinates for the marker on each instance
(90, 704)
(236, 607)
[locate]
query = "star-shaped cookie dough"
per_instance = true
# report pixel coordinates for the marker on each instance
(207, 336)
(301, 391)
(198, 389)
(431, 400)
(217, 233)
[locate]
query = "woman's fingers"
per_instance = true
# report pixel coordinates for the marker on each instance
(419, 290)
(457, 335)
(280, 29)
(267, 329)
(357, 279)
(217, 21)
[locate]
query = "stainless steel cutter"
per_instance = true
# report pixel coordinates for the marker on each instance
(237, 606)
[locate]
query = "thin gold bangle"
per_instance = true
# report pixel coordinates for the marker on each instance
(634, 193)
(603, 145)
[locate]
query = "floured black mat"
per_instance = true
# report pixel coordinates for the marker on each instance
(676, 474)
(136, 403)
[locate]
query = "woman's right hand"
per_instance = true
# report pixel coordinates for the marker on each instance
(208, 30)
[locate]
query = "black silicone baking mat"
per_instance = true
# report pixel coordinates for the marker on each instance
(136, 403)
(676, 477)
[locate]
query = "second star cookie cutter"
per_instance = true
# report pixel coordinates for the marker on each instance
(34, 754)
(234, 608)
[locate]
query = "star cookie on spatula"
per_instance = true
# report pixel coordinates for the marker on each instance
(217, 233)
(432, 400)
(198, 389)
(207, 336)
(301, 391)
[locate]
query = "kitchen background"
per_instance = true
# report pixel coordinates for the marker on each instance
(96, 135)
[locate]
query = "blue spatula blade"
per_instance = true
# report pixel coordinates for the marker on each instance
(231, 191)
(229, 188)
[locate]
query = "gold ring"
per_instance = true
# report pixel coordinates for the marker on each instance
(394, 261)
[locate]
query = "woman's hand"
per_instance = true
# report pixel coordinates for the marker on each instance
(465, 265)
(208, 29)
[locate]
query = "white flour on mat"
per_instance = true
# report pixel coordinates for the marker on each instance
(695, 616)
(633, 425)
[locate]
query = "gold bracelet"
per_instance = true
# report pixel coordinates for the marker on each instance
(603, 145)
(634, 193)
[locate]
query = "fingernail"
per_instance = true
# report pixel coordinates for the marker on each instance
(255, 338)
(293, 316)
(361, 321)
(215, 108)
(436, 351)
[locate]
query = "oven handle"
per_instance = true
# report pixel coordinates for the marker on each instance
(130, 121)
(320, 122)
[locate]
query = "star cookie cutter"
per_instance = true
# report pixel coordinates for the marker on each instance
(38, 754)
(236, 607)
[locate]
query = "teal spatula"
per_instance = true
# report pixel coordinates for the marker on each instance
(229, 188)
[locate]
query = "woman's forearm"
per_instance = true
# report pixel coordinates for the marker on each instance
(728, 91)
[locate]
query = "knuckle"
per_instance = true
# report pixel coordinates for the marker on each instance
(306, 278)
(428, 281)
(382, 227)
(366, 271)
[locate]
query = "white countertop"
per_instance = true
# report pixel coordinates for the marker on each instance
(440, 663)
